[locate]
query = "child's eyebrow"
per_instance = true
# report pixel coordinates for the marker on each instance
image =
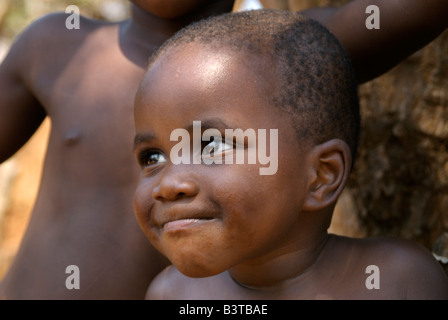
(142, 138)
(211, 123)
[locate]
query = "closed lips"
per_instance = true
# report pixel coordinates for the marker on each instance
(183, 223)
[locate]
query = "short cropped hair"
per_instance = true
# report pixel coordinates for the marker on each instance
(318, 86)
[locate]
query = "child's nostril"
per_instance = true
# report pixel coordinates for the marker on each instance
(180, 195)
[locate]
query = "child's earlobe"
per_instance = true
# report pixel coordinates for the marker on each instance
(330, 168)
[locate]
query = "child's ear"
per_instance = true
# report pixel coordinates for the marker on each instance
(330, 167)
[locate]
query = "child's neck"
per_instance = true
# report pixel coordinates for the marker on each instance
(143, 25)
(275, 272)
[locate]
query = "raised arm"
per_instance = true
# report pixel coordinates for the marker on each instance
(20, 112)
(405, 27)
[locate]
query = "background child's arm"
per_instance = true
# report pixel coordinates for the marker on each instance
(20, 112)
(405, 27)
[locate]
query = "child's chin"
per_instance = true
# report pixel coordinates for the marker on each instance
(197, 271)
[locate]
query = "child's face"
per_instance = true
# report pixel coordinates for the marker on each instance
(207, 218)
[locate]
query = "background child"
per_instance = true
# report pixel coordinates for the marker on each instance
(246, 235)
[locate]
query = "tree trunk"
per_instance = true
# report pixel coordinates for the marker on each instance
(400, 181)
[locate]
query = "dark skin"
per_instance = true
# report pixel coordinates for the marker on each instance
(328, 277)
(83, 214)
(226, 234)
(405, 27)
(85, 81)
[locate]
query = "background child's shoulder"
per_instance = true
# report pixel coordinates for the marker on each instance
(59, 28)
(50, 41)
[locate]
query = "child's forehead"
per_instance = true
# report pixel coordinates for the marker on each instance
(208, 78)
(213, 61)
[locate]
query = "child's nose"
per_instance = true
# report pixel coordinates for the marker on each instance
(174, 187)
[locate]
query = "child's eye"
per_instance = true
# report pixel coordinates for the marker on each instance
(151, 157)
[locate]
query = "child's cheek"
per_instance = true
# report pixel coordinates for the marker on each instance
(143, 201)
(236, 185)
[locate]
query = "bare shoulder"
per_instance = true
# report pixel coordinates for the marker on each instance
(53, 26)
(59, 23)
(404, 266)
(49, 36)
(418, 268)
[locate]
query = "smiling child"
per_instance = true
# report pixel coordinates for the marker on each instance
(230, 232)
